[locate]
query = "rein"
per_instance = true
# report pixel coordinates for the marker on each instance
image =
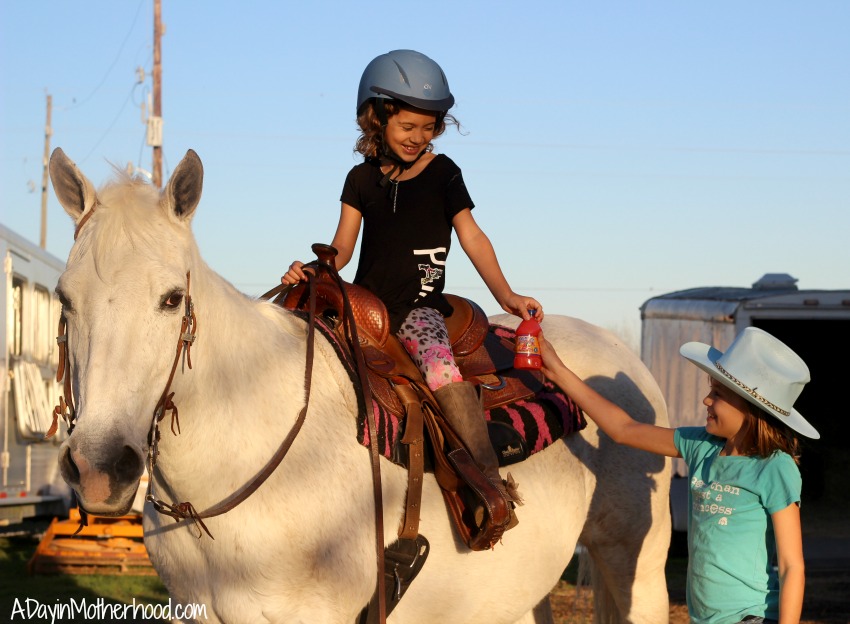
(185, 510)
(188, 331)
(325, 263)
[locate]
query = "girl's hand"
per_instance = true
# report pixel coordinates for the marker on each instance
(295, 274)
(552, 364)
(611, 418)
(519, 305)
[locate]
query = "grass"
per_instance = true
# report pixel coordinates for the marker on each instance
(827, 591)
(20, 591)
(17, 585)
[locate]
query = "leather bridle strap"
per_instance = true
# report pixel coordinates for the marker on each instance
(85, 218)
(185, 510)
(188, 329)
(65, 409)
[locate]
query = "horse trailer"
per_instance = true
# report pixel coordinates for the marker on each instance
(814, 323)
(31, 483)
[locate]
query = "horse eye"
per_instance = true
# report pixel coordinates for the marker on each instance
(172, 300)
(64, 301)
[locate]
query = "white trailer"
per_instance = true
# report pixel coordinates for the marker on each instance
(30, 483)
(815, 323)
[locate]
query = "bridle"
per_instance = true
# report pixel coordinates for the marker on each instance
(188, 330)
(187, 335)
(186, 338)
(66, 410)
(185, 510)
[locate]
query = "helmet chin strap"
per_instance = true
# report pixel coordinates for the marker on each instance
(389, 157)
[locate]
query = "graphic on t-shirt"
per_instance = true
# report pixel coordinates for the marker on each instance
(708, 498)
(431, 274)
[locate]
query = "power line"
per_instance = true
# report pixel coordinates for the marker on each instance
(109, 129)
(724, 149)
(114, 62)
(247, 285)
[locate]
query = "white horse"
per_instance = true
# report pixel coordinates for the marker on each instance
(301, 548)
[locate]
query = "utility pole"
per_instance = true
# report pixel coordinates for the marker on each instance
(155, 123)
(48, 131)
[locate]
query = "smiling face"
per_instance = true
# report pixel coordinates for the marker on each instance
(727, 411)
(409, 132)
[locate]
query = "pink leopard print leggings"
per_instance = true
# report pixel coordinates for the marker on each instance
(423, 333)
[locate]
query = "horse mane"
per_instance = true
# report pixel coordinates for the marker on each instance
(128, 207)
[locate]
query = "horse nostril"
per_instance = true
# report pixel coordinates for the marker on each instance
(128, 465)
(71, 472)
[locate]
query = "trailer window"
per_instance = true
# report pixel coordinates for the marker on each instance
(17, 315)
(42, 320)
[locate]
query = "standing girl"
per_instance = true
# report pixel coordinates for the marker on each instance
(409, 200)
(745, 543)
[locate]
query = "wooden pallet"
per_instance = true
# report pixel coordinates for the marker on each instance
(107, 546)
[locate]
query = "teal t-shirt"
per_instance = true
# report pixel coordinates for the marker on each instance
(731, 544)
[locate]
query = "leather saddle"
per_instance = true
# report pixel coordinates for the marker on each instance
(396, 384)
(483, 357)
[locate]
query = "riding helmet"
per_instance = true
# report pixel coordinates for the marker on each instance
(408, 76)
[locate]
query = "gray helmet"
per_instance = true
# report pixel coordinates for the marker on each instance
(408, 76)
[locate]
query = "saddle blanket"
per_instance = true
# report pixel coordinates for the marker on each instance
(540, 420)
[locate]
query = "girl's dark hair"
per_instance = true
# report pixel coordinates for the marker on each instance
(765, 434)
(370, 141)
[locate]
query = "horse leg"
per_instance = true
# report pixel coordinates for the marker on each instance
(645, 598)
(628, 552)
(541, 614)
(627, 533)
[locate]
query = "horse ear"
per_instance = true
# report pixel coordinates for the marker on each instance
(183, 192)
(72, 188)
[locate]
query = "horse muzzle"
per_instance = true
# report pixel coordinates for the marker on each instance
(106, 482)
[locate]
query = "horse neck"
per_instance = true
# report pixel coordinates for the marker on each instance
(242, 396)
(239, 341)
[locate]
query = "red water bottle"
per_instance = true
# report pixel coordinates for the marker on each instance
(527, 349)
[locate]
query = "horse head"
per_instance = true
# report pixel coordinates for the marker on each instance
(123, 296)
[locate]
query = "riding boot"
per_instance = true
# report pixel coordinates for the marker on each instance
(461, 406)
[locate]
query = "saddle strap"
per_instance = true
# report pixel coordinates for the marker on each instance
(414, 439)
(325, 255)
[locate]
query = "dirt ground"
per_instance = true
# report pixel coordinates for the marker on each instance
(826, 540)
(827, 600)
(827, 597)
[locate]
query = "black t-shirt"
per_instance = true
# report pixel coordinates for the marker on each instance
(407, 233)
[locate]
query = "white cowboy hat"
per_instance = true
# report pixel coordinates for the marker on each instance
(763, 370)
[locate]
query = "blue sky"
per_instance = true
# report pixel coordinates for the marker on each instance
(615, 150)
